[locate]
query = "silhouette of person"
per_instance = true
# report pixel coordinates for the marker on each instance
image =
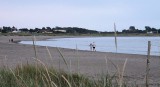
(11, 40)
(94, 46)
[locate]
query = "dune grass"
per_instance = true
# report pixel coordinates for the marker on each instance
(24, 76)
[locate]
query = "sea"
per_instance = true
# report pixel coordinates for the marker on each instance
(127, 45)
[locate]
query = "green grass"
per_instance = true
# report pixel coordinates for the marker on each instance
(24, 76)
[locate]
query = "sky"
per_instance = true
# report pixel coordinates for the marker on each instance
(97, 15)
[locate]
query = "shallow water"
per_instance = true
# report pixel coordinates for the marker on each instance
(129, 45)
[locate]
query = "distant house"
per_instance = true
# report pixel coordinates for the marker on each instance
(45, 31)
(62, 31)
(15, 31)
(151, 32)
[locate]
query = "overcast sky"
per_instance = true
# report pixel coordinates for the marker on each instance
(97, 15)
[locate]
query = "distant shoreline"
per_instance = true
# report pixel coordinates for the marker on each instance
(78, 35)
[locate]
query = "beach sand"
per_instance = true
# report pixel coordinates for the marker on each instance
(84, 62)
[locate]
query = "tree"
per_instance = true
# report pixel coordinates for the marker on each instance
(154, 29)
(132, 28)
(158, 30)
(43, 28)
(48, 28)
(6, 29)
(31, 30)
(125, 31)
(24, 30)
(148, 29)
(0, 29)
(37, 30)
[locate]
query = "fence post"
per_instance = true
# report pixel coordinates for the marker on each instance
(115, 35)
(148, 61)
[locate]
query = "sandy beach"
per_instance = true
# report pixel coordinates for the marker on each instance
(85, 62)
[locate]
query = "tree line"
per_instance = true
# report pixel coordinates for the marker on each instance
(76, 30)
(148, 29)
(133, 30)
(71, 30)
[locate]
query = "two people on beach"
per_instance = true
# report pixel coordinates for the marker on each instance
(10, 40)
(92, 46)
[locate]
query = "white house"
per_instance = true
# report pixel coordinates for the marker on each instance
(63, 31)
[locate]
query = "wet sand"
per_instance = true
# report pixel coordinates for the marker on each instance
(85, 62)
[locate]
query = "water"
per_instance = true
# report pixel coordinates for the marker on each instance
(129, 45)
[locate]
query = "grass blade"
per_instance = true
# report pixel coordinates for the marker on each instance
(63, 58)
(66, 81)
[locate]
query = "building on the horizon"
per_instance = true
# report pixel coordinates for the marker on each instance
(60, 30)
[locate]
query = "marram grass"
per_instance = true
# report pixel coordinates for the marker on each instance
(25, 76)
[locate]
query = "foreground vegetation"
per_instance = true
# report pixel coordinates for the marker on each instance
(32, 76)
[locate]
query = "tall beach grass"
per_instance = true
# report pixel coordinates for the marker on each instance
(48, 77)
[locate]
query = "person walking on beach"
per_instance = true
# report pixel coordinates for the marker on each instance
(94, 46)
(11, 40)
(91, 46)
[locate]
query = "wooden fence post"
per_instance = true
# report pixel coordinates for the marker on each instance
(148, 61)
